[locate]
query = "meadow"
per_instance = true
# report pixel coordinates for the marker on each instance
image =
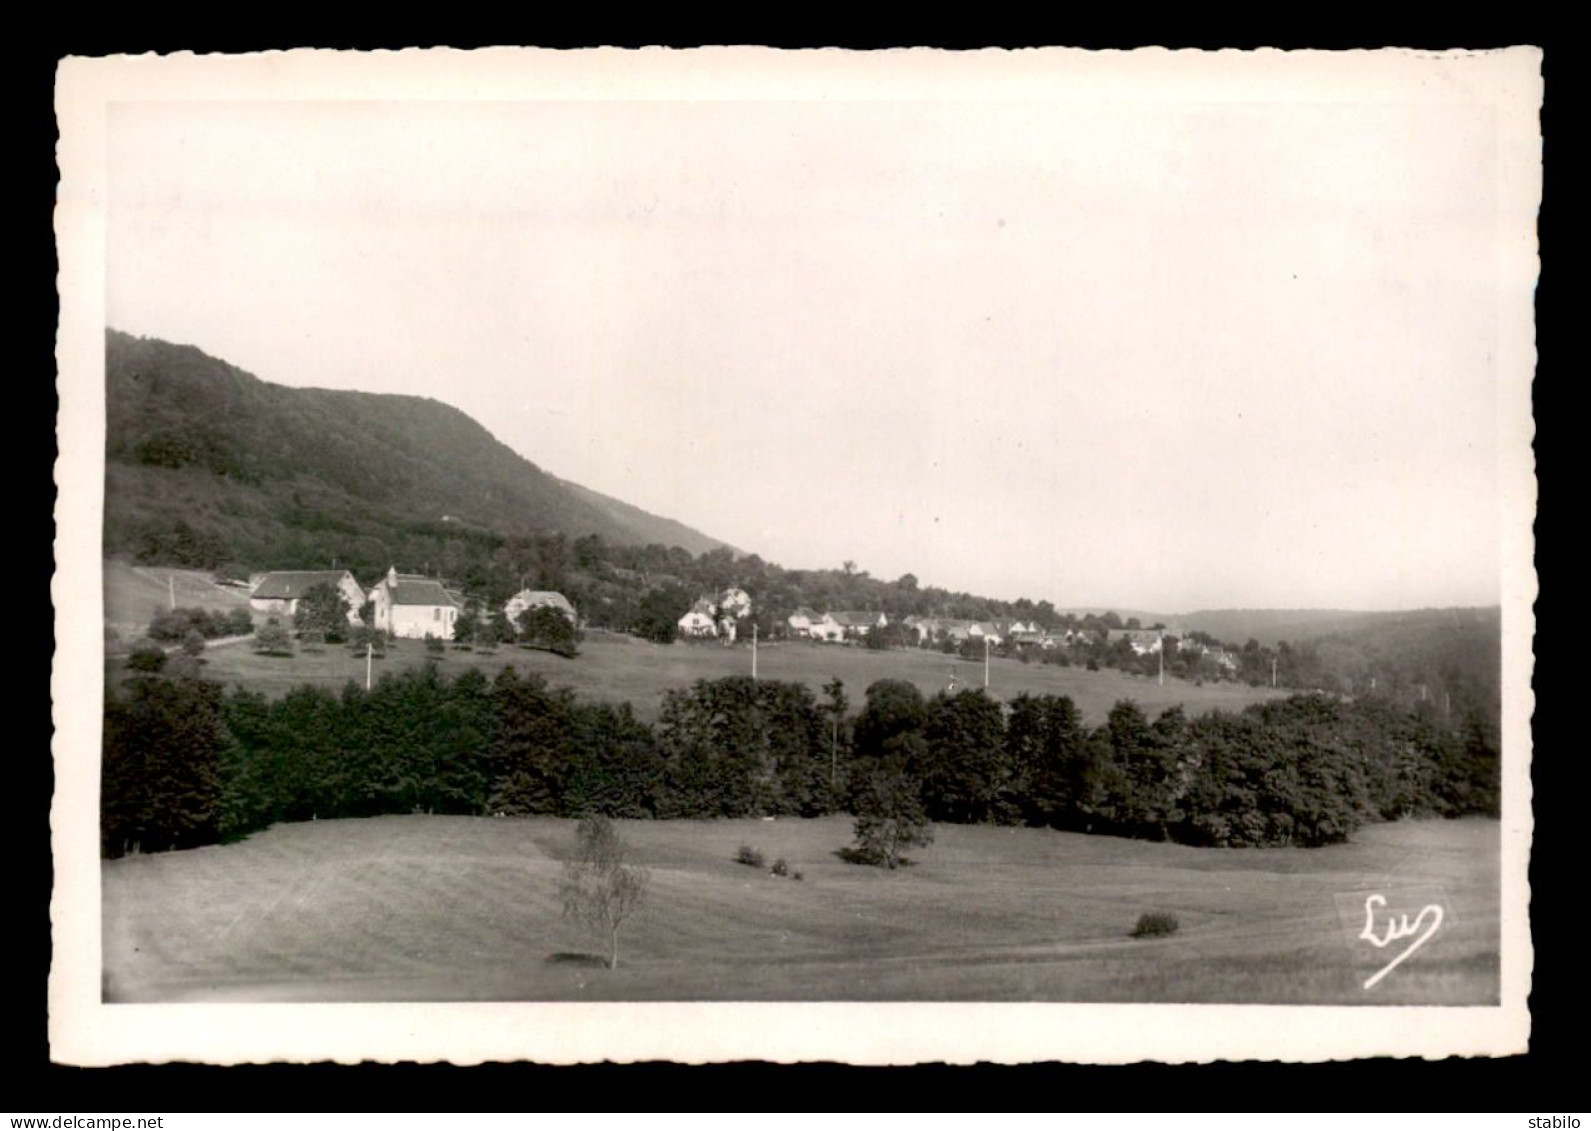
(429, 908)
(621, 668)
(134, 594)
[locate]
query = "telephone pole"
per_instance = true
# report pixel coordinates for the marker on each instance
(1273, 671)
(171, 588)
(986, 663)
(369, 652)
(753, 651)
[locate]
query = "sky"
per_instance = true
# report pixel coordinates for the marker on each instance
(1161, 356)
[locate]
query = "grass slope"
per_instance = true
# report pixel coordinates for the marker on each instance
(134, 594)
(459, 908)
(623, 668)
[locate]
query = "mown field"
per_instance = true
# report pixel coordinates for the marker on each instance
(134, 594)
(422, 908)
(624, 668)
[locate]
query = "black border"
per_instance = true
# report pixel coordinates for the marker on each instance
(1539, 1080)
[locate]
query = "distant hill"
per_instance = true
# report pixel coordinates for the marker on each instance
(207, 464)
(646, 528)
(1270, 626)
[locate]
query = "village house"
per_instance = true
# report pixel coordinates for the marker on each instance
(699, 623)
(536, 599)
(802, 620)
(412, 607)
(1144, 641)
(280, 592)
(826, 628)
(856, 625)
(985, 630)
(1222, 658)
(956, 631)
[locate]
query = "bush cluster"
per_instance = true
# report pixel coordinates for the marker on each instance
(170, 626)
(1154, 924)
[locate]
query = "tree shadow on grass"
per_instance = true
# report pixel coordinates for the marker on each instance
(852, 855)
(576, 958)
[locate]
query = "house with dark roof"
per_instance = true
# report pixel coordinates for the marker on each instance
(280, 592)
(413, 607)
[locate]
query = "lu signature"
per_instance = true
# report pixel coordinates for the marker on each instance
(1398, 927)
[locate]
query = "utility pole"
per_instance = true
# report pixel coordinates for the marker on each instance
(1161, 652)
(986, 663)
(171, 588)
(753, 651)
(1273, 671)
(370, 651)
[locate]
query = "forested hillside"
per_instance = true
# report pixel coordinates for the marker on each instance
(208, 465)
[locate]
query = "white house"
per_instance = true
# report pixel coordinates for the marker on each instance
(699, 621)
(985, 630)
(281, 591)
(1144, 641)
(827, 629)
(413, 607)
(859, 624)
(801, 620)
(536, 599)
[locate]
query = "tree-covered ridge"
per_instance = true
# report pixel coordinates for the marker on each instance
(186, 763)
(207, 464)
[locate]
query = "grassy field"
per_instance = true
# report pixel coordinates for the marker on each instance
(134, 594)
(623, 668)
(458, 908)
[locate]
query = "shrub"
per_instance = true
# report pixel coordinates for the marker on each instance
(182, 666)
(361, 638)
(890, 818)
(193, 642)
(1154, 924)
(749, 855)
(796, 876)
(146, 656)
(172, 625)
(239, 623)
(780, 868)
(434, 645)
(271, 639)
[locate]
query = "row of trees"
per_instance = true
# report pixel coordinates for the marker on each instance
(186, 763)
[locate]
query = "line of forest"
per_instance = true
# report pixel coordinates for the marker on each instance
(188, 762)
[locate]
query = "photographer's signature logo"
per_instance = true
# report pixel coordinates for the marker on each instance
(1396, 928)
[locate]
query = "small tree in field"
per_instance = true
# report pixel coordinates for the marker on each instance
(193, 643)
(271, 639)
(890, 819)
(600, 889)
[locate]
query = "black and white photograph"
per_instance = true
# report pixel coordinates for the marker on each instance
(617, 550)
